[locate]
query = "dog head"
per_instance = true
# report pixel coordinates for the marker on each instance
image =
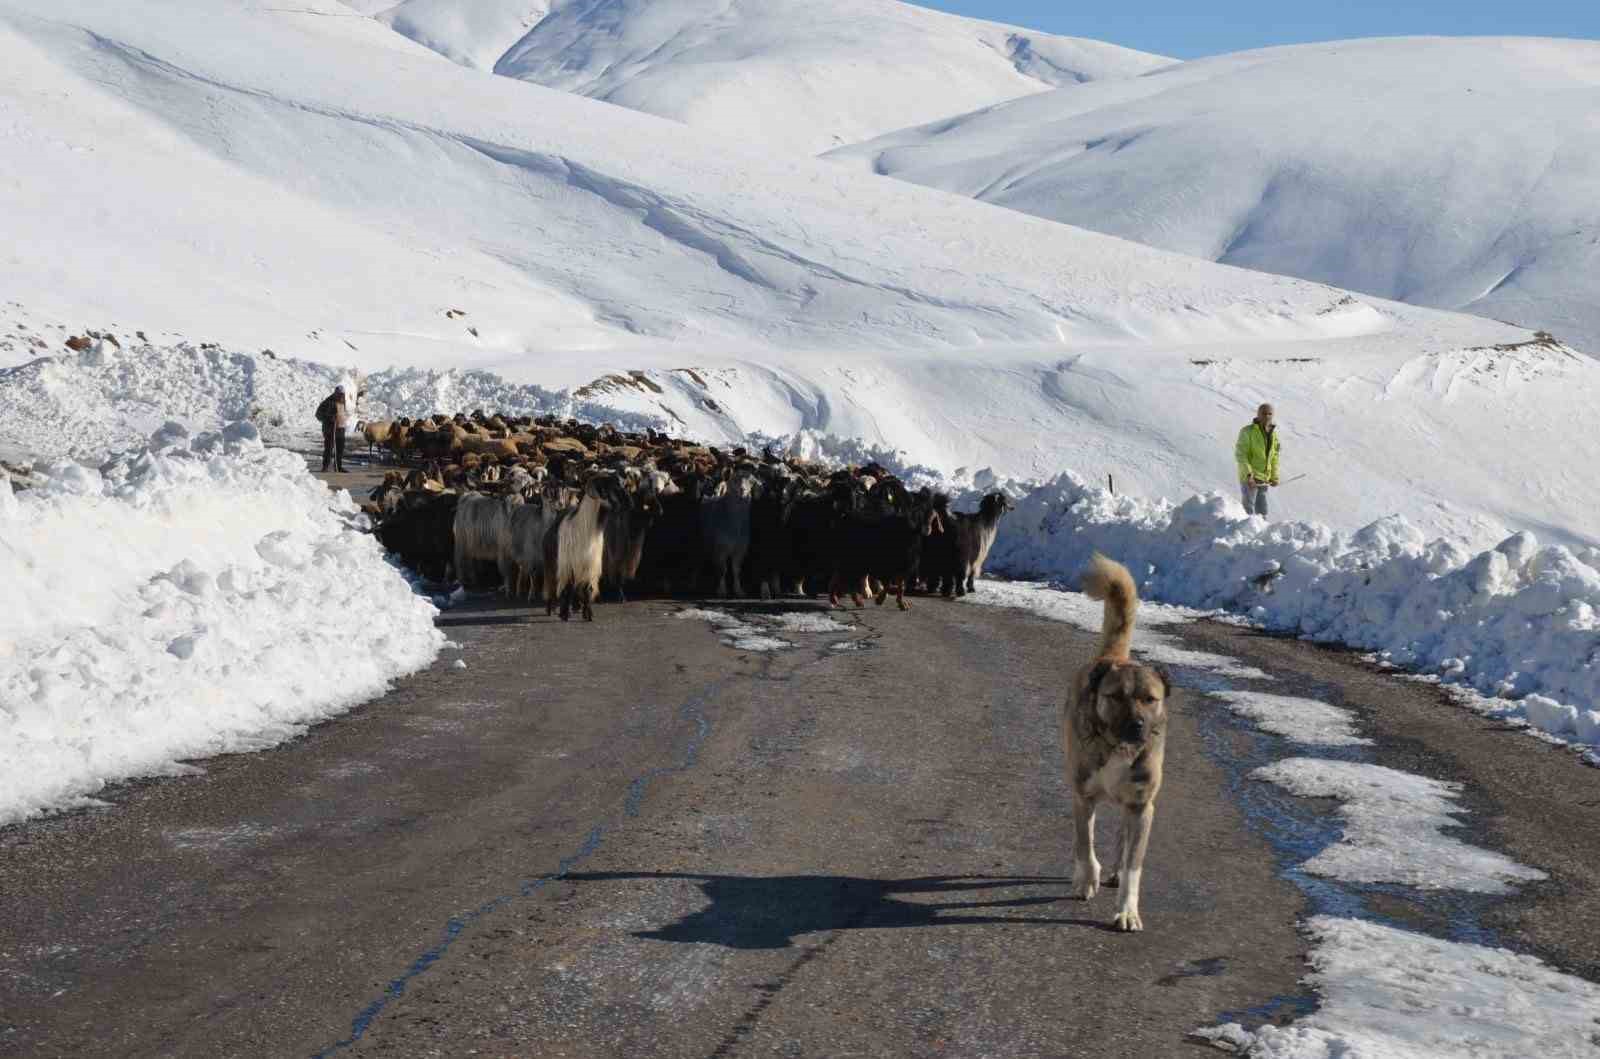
(1129, 700)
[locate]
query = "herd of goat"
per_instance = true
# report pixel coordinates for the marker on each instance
(563, 509)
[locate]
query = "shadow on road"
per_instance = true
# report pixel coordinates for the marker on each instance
(769, 912)
(487, 618)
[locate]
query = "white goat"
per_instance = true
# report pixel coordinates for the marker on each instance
(574, 549)
(523, 542)
(975, 535)
(479, 524)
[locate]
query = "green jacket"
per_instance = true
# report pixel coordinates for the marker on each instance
(1257, 453)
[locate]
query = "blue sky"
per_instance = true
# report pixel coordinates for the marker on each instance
(1186, 29)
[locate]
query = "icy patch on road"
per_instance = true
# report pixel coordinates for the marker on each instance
(1397, 995)
(1300, 720)
(197, 597)
(1394, 828)
(753, 632)
(808, 621)
(737, 633)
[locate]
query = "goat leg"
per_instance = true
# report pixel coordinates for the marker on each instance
(900, 595)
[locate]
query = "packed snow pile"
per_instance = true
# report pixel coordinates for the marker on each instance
(194, 597)
(111, 396)
(798, 76)
(1518, 620)
(1455, 172)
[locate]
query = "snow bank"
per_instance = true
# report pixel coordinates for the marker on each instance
(1391, 993)
(198, 596)
(1509, 621)
(112, 396)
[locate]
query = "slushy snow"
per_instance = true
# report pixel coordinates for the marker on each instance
(199, 596)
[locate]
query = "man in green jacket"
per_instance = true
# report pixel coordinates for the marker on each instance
(1256, 453)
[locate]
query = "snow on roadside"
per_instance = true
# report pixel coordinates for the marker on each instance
(112, 396)
(1394, 828)
(199, 596)
(1381, 991)
(1516, 621)
(1297, 719)
(1391, 993)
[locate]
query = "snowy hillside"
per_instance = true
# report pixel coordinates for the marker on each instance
(795, 76)
(1456, 173)
(348, 206)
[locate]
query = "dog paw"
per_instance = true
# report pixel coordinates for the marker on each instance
(1085, 884)
(1127, 921)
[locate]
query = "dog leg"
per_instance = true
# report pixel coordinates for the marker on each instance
(1135, 838)
(1085, 869)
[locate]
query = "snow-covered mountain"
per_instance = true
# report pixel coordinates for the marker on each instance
(1457, 173)
(798, 76)
(306, 180)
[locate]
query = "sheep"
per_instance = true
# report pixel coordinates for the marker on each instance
(479, 524)
(574, 548)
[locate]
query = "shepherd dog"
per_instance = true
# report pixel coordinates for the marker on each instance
(1114, 731)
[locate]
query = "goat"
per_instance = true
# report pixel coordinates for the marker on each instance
(975, 536)
(628, 519)
(480, 523)
(941, 553)
(725, 520)
(888, 547)
(523, 541)
(672, 551)
(574, 555)
(422, 531)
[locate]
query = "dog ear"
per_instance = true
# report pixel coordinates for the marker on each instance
(1096, 675)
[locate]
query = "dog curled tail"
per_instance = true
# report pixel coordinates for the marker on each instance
(1110, 581)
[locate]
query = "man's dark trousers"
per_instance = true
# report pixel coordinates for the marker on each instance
(332, 442)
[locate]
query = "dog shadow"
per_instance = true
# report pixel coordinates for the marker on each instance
(770, 912)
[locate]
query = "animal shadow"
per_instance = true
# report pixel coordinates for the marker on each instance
(770, 912)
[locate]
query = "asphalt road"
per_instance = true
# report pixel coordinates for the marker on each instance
(629, 838)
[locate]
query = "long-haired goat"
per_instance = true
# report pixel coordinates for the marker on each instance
(523, 542)
(975, 536)
(480, 523)
(574, 548)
